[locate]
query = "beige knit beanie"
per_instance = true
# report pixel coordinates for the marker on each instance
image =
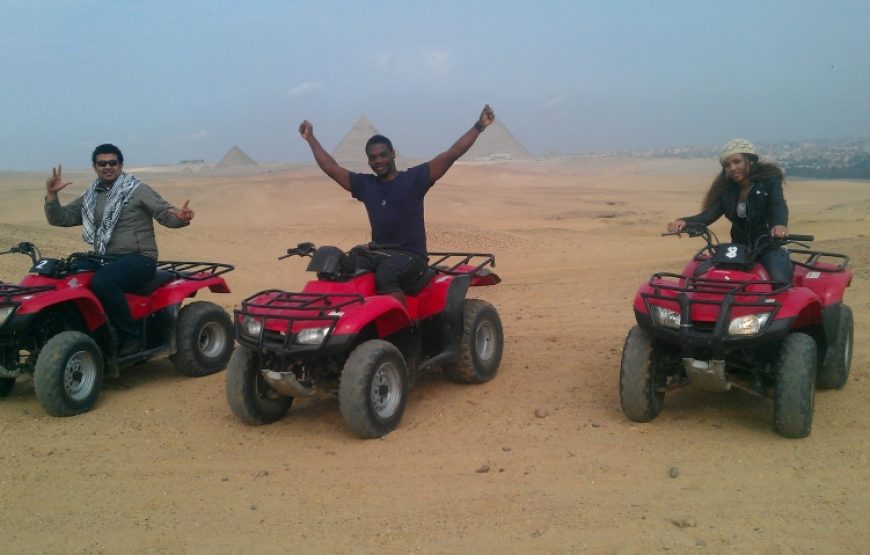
(737, 146)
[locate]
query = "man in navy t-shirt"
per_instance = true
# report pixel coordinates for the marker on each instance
(394, 202)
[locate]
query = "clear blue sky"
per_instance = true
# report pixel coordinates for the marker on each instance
(169, 81)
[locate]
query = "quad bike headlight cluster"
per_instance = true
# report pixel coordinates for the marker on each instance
(252, 326)
(749, 324)
(5, 313)
(665, 317)
(311, 336)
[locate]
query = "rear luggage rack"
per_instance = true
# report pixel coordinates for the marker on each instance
(447, 262)
(814, 260)
(196, 271)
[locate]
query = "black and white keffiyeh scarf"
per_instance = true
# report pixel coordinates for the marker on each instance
(116, 199)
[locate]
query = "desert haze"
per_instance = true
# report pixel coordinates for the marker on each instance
(539, 460)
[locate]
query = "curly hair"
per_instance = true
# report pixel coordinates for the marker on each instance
(758, 171)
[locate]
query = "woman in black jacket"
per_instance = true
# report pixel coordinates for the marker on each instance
(749, 193)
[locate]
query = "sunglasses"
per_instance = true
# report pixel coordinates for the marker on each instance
(104, 163)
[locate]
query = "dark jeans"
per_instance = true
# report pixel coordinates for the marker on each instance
(395, 270)
(778, 266)
(125, 273)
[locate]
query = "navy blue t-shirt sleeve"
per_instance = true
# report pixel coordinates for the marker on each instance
(357, 185)
(419, 177)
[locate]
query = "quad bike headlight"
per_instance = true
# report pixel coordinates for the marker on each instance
(5, 313)
(665, 317)
(311, 336)
(749, 324)
(252, 326)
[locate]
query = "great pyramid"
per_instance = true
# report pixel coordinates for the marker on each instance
(235, 158)
(351, 148)
(497, 143)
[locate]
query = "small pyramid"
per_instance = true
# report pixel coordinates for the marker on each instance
(352, 148)
(497, 143)
(234, 158)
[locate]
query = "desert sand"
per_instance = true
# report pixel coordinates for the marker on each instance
(539, 460)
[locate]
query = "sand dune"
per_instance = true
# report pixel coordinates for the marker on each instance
(162, 466)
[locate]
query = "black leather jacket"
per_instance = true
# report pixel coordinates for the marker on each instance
(765, 208)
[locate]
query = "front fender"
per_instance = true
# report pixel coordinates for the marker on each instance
(385, 311)
(82, 297)
(802, 303)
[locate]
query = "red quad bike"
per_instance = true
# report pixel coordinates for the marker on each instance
(53, 327)
(724, 323)
(338, 337)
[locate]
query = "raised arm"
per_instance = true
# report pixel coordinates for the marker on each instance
(55, 183)
(326, 162)
(62, 216)
(439, 165)
(165, 214)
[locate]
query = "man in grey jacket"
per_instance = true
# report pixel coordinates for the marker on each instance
(116, 213)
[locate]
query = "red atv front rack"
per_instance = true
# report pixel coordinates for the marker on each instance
(9, 291)
(715, 302)
(291, 308)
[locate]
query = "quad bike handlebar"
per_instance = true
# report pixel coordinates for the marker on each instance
(794, 238)
(701, 230)
(333, 263)
(55, 267)
(29, 249)
(758, 247)
(302, 249)
(26, 248)
(307, 249)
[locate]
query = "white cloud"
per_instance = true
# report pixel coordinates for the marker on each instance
(305, 89)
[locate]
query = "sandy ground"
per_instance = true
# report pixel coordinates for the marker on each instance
(161, 465)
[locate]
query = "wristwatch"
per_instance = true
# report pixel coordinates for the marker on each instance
(479, 126)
